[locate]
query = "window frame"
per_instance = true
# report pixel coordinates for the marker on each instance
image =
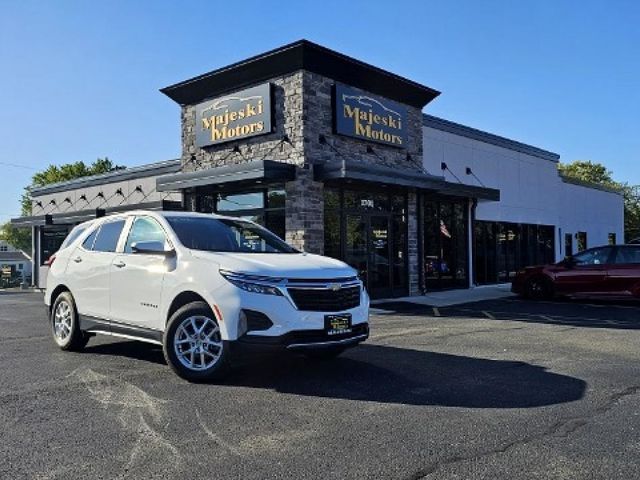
(98, 229)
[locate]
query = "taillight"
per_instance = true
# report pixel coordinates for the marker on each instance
(52, 259)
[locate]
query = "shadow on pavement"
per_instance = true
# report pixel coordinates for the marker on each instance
(576, 313)
(396, 375)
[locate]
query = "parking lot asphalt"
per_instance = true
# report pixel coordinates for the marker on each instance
(497, 389)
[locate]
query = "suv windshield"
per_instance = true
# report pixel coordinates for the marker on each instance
(226, 235)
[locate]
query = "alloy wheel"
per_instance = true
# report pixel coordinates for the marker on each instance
(62, 320)
(197, 343)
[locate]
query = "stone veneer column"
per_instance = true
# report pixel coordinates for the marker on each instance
(412, 236)
(304, 207)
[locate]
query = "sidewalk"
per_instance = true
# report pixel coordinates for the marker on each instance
(448, 298)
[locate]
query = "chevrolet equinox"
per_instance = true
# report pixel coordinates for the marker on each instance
(202, 286)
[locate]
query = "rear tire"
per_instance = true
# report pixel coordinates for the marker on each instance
(193, 346)
(65, 325)
(538, 288)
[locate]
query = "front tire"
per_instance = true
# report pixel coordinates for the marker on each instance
(65, 326)
(538, 288)
(193, 346)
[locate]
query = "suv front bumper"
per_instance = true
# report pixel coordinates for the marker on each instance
(304, 340)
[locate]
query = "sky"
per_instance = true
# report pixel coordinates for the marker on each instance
(80, 80)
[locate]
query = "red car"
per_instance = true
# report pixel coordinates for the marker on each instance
(612, 270)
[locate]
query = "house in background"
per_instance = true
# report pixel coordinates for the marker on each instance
(15, 265)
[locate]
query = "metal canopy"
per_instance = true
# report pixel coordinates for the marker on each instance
(347, 170)
(256, 171)
(72, 218)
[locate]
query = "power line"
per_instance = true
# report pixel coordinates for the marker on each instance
(17, 166)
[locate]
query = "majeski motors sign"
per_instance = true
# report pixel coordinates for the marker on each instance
(360, 115)
(237, 116)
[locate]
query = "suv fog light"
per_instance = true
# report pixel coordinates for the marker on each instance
(242, 323)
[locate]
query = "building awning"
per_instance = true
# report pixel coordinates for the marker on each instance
(248, 173)
(73, 218)
(347, 170)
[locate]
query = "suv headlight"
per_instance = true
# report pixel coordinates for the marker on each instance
(251, 283)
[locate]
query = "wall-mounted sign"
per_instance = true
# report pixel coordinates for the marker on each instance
(368, 117)
(236, 116)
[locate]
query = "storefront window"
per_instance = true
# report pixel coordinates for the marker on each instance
(263, 206)
(501, 249)
(445, 248)
(51, 239)
(582, 241)
(240, 201)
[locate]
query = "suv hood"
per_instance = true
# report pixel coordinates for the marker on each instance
(285, 265)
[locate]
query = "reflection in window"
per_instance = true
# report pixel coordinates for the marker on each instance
(501, 249)
(239, 201)
(582, 241)
(144, 229)
(597, 256)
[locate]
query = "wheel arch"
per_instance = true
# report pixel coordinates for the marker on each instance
(56, 293)
(183, 298)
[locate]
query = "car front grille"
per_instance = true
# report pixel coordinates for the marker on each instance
(325, 299)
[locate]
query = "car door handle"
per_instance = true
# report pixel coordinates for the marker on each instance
(119, 264)
(77, 259)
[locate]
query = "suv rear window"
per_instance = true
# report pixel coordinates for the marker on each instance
(75, 233)
(108, 235)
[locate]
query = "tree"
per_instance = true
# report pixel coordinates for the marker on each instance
(62, 173)
(18, 237)
(596, 173)
(589, 172)
(21, 237)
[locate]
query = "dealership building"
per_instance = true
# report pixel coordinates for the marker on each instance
(338, 157)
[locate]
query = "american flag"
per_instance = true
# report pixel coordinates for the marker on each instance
(443, 230)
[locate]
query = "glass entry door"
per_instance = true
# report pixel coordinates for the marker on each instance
(379, 255)
(368, 231)
(377, 252)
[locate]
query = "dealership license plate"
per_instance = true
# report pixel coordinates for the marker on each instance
(337, 324)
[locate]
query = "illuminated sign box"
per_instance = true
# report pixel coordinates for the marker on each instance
(367, 117)
(236, 116)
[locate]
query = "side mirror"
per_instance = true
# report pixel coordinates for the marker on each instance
(151, 247)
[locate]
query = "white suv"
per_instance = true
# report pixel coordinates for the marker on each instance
(201, 286)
